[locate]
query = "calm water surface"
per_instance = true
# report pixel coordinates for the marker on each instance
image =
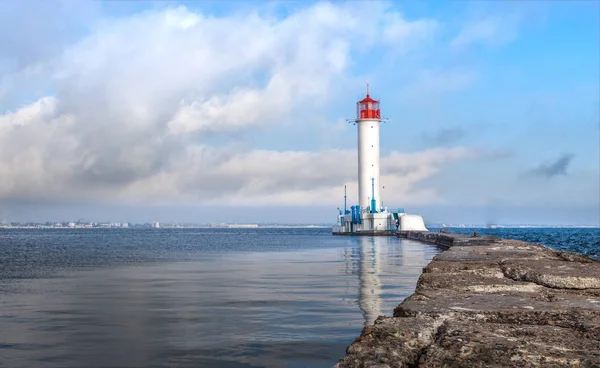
(194, 298)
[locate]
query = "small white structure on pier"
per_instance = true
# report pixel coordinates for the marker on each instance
(369, 217)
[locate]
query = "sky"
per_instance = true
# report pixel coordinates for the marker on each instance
(236, 111)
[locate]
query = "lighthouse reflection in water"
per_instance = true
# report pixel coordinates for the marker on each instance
(387, 270)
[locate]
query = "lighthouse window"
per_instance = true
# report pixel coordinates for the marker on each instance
(371, 126)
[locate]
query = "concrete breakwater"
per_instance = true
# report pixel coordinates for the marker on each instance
(490, 302)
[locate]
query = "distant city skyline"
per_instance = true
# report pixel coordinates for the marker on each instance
(543, 215)
(157, 225)
(235, 111)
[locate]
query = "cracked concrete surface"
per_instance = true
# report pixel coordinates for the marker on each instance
(489, 302)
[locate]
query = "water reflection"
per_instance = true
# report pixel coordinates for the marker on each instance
(369, 268)
(386, 258)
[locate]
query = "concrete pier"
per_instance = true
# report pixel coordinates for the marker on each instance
(490, 302)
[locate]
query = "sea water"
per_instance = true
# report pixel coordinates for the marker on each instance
(195, 297)
(207, 297)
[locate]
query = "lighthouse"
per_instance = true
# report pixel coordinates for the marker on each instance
(369, 217)
(368, 118)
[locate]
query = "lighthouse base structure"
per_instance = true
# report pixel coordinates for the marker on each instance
(381, 223)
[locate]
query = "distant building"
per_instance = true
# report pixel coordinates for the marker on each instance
(156, 224)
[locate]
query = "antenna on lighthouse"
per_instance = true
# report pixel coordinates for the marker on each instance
(345, 210)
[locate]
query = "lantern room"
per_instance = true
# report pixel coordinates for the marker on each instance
(367, 108)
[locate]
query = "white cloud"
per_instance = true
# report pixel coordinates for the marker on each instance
(408, 34)
(492, 31)
(136, 98)
(42, 109)
(294, 177)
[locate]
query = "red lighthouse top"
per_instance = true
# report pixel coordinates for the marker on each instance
(367, 108)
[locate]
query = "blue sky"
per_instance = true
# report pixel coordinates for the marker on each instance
(120, 110)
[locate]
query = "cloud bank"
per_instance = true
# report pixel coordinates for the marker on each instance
(135, 103)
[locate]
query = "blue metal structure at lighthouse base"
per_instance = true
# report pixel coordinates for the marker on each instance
(373, 201)
(355, 214)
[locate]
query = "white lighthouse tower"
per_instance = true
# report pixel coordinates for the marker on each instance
(369, 217)
(368, 118)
